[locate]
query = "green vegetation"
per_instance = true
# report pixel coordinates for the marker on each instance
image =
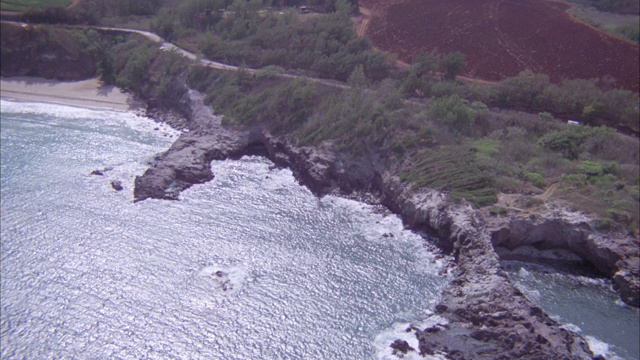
(629, 32)
(598, 13)
(498, 211)
(454, 169)
(454, 63)
(428, 129)
(614, 6)
(535, 178)
(454, 112)
(584, 100)
(23, 5)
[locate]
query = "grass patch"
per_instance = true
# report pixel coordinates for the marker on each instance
(452, 169)
(498, 211)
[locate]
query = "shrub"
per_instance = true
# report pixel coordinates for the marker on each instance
(441, 88)
(577, 181)
(106, 72)
(495, 211)
(535, 178)
(545, 116)
(528, 201)
(629, 32)
(454, 64)
(572, 140)
(508, 184)
(525, 89)
(134, 73)
(453, 111)
(604, 224)
(591, 168)
(619, 216)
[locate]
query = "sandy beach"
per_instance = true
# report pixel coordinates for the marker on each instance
(86, 93)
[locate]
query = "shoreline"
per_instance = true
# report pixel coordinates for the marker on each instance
(85, 93)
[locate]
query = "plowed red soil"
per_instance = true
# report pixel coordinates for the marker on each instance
(501, 38)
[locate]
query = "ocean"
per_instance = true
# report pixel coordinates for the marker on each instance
(586, 305)
(250, 265)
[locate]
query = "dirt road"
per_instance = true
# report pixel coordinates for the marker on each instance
(73, 4)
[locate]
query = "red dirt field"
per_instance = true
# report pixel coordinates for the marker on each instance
(501, 38)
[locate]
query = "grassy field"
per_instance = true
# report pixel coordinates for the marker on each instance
(22, 5)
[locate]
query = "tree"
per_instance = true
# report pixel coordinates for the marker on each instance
(134, 74)
(454, 63)
(453, 111)
(105, 67)
(358, 79)
(426, 64)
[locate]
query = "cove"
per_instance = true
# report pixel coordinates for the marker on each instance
(249, 265)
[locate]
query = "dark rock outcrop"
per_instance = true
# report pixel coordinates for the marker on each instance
(487, 317)
(401, 346)
(188, 162)
(116, 185)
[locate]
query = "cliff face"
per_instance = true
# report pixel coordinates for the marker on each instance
(486, 316)
(613, 254)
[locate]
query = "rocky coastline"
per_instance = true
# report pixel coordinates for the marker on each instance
(486, 316)
(483, 315)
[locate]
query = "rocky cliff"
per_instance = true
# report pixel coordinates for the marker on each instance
(486, 316)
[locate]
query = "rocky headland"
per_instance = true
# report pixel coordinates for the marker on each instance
(483, 315)
(487, 317)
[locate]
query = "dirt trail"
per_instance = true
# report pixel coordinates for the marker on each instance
(73, 4)
(512, 201)
(364, 21)
(548, 192)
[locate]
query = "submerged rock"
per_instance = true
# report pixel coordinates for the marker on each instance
(401, 346)
(116, 185)
(101, 172)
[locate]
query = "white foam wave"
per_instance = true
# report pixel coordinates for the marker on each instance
(523, 272)
(107, 117)
(389, 230)
(398, 331)
(598, 347)
(224, 279)
(569, 326)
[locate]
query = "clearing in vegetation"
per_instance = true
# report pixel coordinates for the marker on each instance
(501, 38)
(24, 5)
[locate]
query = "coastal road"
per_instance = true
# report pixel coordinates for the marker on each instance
(167, 46)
